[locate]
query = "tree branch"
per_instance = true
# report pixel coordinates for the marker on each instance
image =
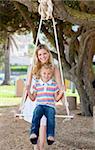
(26, 18)
(66, 13)
(83, 42)
(63, 12)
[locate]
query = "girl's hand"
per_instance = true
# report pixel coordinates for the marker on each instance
(32, 96)
(59, 95)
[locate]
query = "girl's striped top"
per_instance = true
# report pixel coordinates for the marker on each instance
(45, 92)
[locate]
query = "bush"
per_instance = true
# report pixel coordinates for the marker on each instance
(17, 68)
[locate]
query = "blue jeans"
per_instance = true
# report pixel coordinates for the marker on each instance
(49, 112)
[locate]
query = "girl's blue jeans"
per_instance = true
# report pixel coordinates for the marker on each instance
(49, 112)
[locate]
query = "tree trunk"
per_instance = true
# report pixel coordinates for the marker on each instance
(7, 64)
(86, 74)
(81, 72)
(84, 99)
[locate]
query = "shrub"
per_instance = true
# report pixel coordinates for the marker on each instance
(17, 68)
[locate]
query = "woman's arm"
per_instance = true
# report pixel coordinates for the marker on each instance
(29, 78)
(57, 76)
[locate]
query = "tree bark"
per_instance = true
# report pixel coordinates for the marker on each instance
(7, 64)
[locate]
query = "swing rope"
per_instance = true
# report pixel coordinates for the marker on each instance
(60, 66)
(45, 9)
(37, 38)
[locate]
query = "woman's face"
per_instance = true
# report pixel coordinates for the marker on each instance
(43, 56)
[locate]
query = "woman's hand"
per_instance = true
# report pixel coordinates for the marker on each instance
(62, 89)
(27, 87)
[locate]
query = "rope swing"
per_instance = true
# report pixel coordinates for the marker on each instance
(45, 9)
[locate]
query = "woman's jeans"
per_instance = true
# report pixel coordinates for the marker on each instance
(49, 112)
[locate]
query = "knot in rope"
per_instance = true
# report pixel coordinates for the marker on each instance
(45, 9)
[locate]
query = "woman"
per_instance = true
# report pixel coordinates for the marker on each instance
(42, 56)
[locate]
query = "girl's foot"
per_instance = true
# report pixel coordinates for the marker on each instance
(50, 140)
(33, 138)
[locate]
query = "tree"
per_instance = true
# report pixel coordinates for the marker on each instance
(9, 40)
(10, 22)
(77, 60)
(1, 54)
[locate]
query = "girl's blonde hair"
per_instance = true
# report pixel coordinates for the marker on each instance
(48, 66)
(36, 63)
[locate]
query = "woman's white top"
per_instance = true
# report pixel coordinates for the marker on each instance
(29, 107)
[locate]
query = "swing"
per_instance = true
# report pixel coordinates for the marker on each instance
(45, 9)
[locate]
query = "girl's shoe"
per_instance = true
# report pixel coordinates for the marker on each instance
(33, 138)
(50, 140)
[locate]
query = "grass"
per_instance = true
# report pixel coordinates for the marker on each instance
(17, 68)
(9, 101)
(69, 93)
(7, 91)
(8, 98)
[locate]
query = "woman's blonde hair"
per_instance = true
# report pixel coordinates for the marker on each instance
(36, 62)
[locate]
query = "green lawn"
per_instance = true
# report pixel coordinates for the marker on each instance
(9, 101)
(8, 98)
(69, 93)
(7, 91)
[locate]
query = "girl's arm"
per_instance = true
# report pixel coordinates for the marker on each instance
(32, 95)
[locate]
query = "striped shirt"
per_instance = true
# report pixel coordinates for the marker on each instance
(46, 92)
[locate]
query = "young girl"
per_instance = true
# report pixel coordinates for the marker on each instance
(42, 56)
(46, 93)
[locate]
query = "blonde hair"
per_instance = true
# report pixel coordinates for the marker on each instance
(36, 62)
(48, 66)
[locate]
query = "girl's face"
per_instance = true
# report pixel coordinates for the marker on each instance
(46, 74)
(43, 55)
